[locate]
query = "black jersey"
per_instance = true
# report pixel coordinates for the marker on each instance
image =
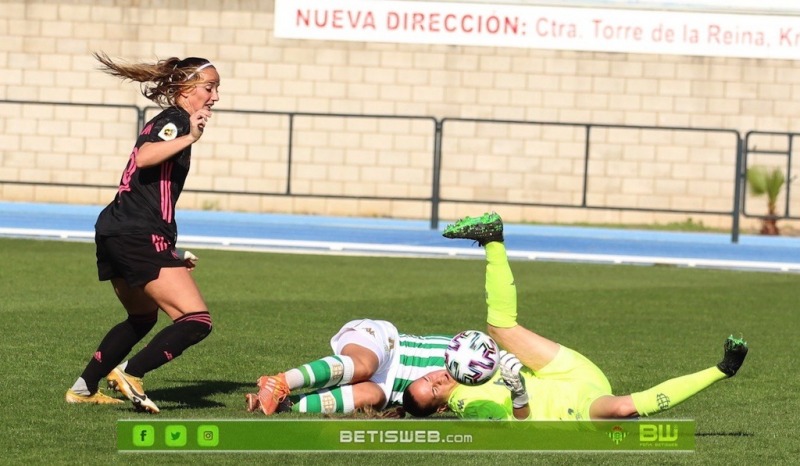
(146, 197)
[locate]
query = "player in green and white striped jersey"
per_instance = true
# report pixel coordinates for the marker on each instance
(417, 356)
(371, 366)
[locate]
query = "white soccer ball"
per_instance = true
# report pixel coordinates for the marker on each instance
(472, 357)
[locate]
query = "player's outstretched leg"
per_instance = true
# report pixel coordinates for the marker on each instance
(532, 349)
(484, 229)
(735, 352)
(668, 394)
(501, 293)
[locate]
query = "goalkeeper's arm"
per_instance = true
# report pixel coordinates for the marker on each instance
(509, 370)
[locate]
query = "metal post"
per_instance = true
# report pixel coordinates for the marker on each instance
(737, 189)
(437, 175)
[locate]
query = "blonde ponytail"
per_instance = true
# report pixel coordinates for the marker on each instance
(160, 82)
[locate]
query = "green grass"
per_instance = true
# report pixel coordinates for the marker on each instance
(274, 311)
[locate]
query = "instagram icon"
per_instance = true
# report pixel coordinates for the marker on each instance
(207, 436)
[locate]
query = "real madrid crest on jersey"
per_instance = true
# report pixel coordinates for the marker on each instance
(168, 132)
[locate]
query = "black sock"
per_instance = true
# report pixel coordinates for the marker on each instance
(117, 343)
(170, 342)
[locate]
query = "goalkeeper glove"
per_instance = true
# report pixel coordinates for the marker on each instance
(510, 366)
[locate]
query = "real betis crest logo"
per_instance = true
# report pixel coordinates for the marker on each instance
(617, 435)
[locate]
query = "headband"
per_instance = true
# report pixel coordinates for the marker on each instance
(198, 69)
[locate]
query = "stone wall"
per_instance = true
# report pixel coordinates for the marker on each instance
(45, 57)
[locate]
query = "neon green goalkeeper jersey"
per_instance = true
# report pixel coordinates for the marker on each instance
(550, 400)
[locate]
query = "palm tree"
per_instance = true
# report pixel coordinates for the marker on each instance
(764, 181)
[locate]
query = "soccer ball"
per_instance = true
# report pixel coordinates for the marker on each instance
(472, 357)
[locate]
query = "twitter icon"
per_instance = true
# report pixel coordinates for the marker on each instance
(175, 436)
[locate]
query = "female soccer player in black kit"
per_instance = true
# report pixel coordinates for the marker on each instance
(136, 233)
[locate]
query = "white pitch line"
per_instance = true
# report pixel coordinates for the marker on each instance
(278, 245)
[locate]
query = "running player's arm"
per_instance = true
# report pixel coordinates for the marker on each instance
(155, 153)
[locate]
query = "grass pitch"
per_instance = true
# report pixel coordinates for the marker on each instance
(641, 325)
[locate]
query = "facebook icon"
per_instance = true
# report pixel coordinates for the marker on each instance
(143, 435)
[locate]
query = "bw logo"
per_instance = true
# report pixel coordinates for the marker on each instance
(658, 433)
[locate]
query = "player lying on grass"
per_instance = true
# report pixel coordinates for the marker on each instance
(540, 379)
(371, 366)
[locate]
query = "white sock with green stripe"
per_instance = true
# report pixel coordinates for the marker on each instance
(322, 373)
(326, 401)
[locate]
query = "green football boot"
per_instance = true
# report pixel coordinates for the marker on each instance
(735, 351)
(484, 229)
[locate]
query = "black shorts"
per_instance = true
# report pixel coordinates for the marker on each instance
(138, 259)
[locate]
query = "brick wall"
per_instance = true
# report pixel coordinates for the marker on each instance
(45, 49)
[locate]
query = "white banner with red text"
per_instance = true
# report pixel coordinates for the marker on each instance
(541, 27)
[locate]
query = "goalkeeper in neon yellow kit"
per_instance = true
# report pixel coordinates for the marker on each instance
(540, 379)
